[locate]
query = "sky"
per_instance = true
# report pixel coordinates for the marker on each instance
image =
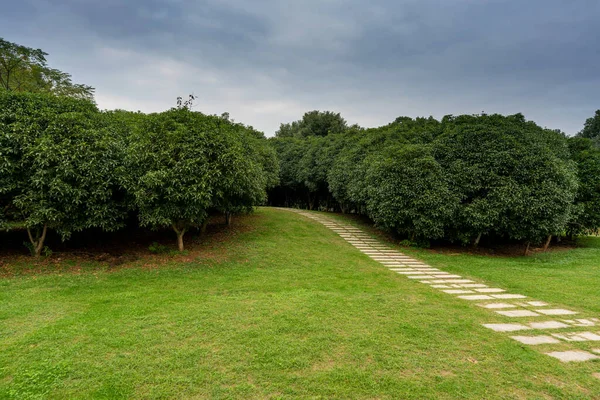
(267, 62)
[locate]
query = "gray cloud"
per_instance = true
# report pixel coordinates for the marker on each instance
(268, 61)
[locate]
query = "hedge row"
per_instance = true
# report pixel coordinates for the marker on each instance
(64, 165)
(460, 179)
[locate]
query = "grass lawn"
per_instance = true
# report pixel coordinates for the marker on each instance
(282, 309)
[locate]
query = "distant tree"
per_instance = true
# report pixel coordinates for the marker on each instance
(591, 129)
(586, 218)
(314, 123)
(24, 69)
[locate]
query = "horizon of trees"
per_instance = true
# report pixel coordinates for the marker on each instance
(461, 179)
(67, 166)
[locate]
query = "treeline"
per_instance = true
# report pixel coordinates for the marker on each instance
(66, 166)
(462, 179)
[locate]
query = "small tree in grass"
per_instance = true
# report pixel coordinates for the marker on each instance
(170, 169)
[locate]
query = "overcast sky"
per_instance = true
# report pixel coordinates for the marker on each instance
(269, 61)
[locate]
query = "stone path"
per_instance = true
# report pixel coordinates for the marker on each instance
(517, 313)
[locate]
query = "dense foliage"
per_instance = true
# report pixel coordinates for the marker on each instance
(24, 69)
(461, 179)
(66, 166)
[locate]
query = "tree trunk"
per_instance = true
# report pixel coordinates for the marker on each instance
(203, 226)
(527, 249)
(547, 243)
(180, 233)
(228, 218)
(477, 240)
(38, 241)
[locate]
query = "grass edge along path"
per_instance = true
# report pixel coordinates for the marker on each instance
(513, 306)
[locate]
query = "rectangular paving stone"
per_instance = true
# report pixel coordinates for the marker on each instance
(493, 306)
(421, 277)
(490, 290)
(583, 322)
(447, 276)
(535, 340)
(518, 313)
(507, 327)
(440, 286)
(573, 355)
(508, 296)
(452, 281)
(537, 303)
(578, 336)
(409, 273)
(473, 285)
(556, 311)
(548, 325)
(457, 291)
(475, 297)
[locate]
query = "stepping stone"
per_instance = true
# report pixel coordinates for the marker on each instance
(583, 322)
(473, 285)
(556, 311)
(457, 291)
(447, 276)
(573, 356)
(493, 306)
(508, 296)
(535, 340)
(537, 303)
(409, 273)
(518, 313)
(596, 351)
(451, 281)
(440, 286)
(490, 290)
(506, 327)
(548, 325)
(421, 277)
(578, 337)
(476, 297)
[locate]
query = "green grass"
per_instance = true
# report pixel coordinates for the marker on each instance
(285, 309)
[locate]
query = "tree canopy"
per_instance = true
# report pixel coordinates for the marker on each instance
(25, 69)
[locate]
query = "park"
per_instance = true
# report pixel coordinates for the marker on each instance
(184, 254)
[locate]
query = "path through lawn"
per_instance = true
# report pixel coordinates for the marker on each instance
(288, 310)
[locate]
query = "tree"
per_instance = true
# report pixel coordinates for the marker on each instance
(60, 160)
(408, 193)
(591, 129)
(170, 171)
(24, 69)
(314, 123)
(586, 218)
(240, 181)
(513, 178)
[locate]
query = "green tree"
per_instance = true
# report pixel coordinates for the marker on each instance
(60, 161)
(591, 128)
(314, 123)
(586, 218)
(408, 193)
(242, 176)
(513, 178)
(25, 69)
(170, 170)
